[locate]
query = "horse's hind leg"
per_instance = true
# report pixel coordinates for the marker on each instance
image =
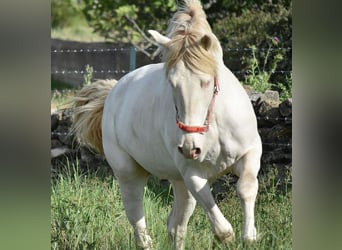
(132, 179)
(183, 207)
(247, 187)
(132, 192)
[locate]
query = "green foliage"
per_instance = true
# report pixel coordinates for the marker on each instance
(244, 21)
(125, 21)
(285, 89)
(64, 12)
(87, 213)
(237, 24)
(256, 24)
(88, 76)
(221, 9)
(260, 74)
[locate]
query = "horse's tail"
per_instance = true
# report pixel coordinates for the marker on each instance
(88, 109)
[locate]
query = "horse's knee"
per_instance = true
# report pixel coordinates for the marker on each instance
(247, 186)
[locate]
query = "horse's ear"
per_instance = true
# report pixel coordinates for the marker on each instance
(159, 38)
(206, 42)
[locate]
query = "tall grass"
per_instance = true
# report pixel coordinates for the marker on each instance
(87, 213)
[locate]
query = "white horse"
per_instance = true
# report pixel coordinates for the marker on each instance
(187, 120)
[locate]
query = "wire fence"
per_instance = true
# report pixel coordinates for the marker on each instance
(98, 50)
(109, 71)
(131, 52)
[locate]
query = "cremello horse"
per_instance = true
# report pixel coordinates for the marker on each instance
(187, 120)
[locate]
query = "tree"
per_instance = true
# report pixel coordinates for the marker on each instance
(63, 12)
(128, 21)
(257, 26)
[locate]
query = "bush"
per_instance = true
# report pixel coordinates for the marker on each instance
(259, 73)
(64, 12)
(257, 27)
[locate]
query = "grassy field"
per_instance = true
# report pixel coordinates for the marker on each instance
(87, 213)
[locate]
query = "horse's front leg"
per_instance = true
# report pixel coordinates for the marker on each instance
(183, 207)
(200, 189)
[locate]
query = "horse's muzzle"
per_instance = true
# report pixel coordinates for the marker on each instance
(191, 145)
(190, 154)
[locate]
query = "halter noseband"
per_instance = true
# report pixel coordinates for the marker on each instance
(205, 128)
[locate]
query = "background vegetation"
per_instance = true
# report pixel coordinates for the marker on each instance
(264, 25)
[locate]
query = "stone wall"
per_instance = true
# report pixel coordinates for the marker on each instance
(275, 129)
(274, 124)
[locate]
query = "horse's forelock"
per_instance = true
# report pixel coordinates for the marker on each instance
(186, 29)
(190, 15)
(188, 47)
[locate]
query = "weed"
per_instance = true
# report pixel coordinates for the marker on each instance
(285, 89)
(88, 76)
(61, 99)
(260, 73)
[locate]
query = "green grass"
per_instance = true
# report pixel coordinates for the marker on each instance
(87, 213)
(61, 99)
(61, 95)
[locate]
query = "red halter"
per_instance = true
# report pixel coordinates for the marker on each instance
(205, 128)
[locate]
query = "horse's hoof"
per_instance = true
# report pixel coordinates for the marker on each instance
(226, 237)
(144, 241)
(251, 237)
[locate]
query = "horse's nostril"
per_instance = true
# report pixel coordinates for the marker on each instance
(180, 149)
(197, 151)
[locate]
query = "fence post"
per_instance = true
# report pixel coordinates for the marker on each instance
(132, 58)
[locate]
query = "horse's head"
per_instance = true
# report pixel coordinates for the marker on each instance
(191, 72)
(192, 56)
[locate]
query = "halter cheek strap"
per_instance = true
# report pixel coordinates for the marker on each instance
(205, 128)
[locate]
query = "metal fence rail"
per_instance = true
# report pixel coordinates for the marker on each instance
(132, 60)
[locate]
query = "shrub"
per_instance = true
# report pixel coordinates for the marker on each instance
(88, 76)
(64, 12)
(257, 27)
(259, 74)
